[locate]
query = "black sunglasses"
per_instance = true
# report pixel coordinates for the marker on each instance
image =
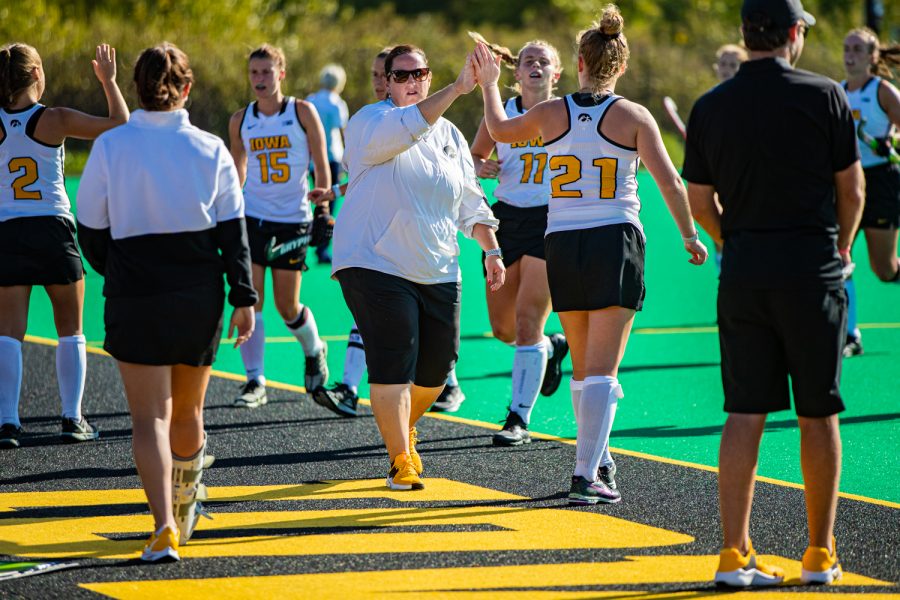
(400, 76)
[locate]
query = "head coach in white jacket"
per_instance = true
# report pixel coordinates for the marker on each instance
(412, 187)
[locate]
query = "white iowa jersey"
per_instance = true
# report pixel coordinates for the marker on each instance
(592, 178)
(277, 161)
(864, 104)
(31, 172)
(523, 180)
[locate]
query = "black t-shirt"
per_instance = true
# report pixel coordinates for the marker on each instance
(770, 141)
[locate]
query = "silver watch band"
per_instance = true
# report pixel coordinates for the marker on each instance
(494, 252)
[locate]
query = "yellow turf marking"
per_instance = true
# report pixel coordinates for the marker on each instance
(515, 528)
(508, 582)
(543, 436)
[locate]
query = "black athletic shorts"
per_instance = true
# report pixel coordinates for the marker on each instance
(771, 339)
(882, 208)
(590, 269)
(182, 327)
(410, 330)
(521, 231)
(39, 251)
(260, 234)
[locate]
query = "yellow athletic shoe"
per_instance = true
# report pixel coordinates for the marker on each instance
(402, 475)
(820, 566)
(416, 459)
(736, 570)
(162, 546)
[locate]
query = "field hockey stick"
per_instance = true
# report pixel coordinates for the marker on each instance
(274, 251)
(873, 144)
(672, 111)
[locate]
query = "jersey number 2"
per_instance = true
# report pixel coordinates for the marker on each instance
(571, 166)
(273, 168)
(29, 175)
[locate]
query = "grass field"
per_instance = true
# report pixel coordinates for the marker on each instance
(670, 374)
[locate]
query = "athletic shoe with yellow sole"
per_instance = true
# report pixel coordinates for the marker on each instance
(413, 455)
(821, 566)
(402, 475)
(736, 570)
(162, 546)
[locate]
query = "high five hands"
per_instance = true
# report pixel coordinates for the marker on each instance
(486, 65)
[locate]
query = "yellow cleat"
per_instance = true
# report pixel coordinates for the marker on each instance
(821, 566)
(162, 546)
(736, 570)
(402, 475)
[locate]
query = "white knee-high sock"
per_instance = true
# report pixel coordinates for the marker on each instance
(354, 360)
(451, 378)
(10, 380)
(575, 387)
(253, 352)
(71, 369)
(597, 412)
(529, 365)
(305, 330)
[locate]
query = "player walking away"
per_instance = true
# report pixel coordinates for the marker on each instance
(519, 311)
(876, 111)
(272, 141)
(787, 216)
(343, 398)
(162, 247)
(595, 241)
(334, 115)
(37, 230)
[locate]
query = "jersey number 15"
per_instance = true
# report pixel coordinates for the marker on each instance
(274, 167)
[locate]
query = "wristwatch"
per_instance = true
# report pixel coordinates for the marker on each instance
(494, 252)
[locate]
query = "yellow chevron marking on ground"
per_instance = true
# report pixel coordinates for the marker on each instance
(460, 528)
(543, 436)
(513, 582)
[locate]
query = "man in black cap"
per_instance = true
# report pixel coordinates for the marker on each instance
(778, 146)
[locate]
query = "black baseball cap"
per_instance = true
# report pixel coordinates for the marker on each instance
(783, 13)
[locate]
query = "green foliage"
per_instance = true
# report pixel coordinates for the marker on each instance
(673, 43)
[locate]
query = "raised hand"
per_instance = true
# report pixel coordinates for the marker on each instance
(105, 63)
(486, 64)
(465, 83)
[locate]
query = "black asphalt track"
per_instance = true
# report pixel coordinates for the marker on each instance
(291, 440)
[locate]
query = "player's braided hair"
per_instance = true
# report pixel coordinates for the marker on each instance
(512, 61)
(888, 56)
(604, 48)
(161, 75)
(16, 63)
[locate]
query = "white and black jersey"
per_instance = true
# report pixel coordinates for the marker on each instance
(160, 209)
(277, 161)
(592, 178)
(522, 180)
(867, 110)
(31, 172)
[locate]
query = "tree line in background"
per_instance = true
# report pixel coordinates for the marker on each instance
(673, 43)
